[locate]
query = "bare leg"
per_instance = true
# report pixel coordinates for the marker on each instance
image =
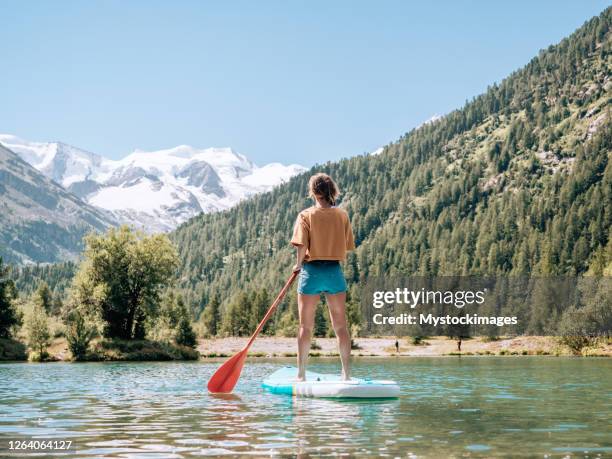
(337, 312)
(306, 308)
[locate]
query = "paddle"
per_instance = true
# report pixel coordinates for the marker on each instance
(226, 376)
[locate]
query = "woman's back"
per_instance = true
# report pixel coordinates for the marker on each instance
(325, 231)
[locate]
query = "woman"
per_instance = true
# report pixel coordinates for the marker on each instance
(322, 235)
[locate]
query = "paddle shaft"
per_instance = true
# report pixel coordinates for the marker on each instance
(226, 376)
(273, 307)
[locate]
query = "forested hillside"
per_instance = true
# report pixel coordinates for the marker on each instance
(517, 181)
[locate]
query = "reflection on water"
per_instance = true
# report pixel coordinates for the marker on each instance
(449, 406)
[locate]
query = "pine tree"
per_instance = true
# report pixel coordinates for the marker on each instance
(9, 316)
(184, 334)
(43, 297)
(212, 316)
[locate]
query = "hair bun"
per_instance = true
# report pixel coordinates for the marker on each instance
(323, 185)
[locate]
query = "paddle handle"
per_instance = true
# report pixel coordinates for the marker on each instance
(272, 308)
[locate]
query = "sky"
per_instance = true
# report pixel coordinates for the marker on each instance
(287, 81)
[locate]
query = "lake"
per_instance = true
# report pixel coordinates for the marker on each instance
(467, 406)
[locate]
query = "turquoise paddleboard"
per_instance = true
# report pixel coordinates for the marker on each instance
(282, 381)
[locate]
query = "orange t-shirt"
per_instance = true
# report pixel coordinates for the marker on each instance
(326, 232)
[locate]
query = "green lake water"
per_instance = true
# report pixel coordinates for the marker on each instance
(449, 407)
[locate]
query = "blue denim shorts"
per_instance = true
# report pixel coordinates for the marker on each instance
(321, 276)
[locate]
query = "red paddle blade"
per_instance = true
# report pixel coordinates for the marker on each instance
(226, 376)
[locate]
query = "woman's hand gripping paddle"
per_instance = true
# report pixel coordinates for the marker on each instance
(226, 377)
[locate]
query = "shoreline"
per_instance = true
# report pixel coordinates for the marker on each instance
(436, 346)
(273, 347)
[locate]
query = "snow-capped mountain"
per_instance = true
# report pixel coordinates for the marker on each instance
(156, 190)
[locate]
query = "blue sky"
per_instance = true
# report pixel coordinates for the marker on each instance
(289, 81)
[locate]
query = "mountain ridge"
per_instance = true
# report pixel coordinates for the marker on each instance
(41, 221)
(154, 191)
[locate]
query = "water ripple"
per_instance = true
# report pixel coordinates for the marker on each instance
(447, 407)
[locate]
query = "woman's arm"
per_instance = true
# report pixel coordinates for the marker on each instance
(300, 254)
(301, 240)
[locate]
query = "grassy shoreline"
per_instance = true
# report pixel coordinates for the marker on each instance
(277, 347)
(103, 350)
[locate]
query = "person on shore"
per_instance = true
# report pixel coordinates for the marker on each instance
(322, 235)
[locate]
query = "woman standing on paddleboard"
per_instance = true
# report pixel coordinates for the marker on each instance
(322, 235)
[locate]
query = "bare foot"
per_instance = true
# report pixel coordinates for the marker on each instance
(300, 378)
